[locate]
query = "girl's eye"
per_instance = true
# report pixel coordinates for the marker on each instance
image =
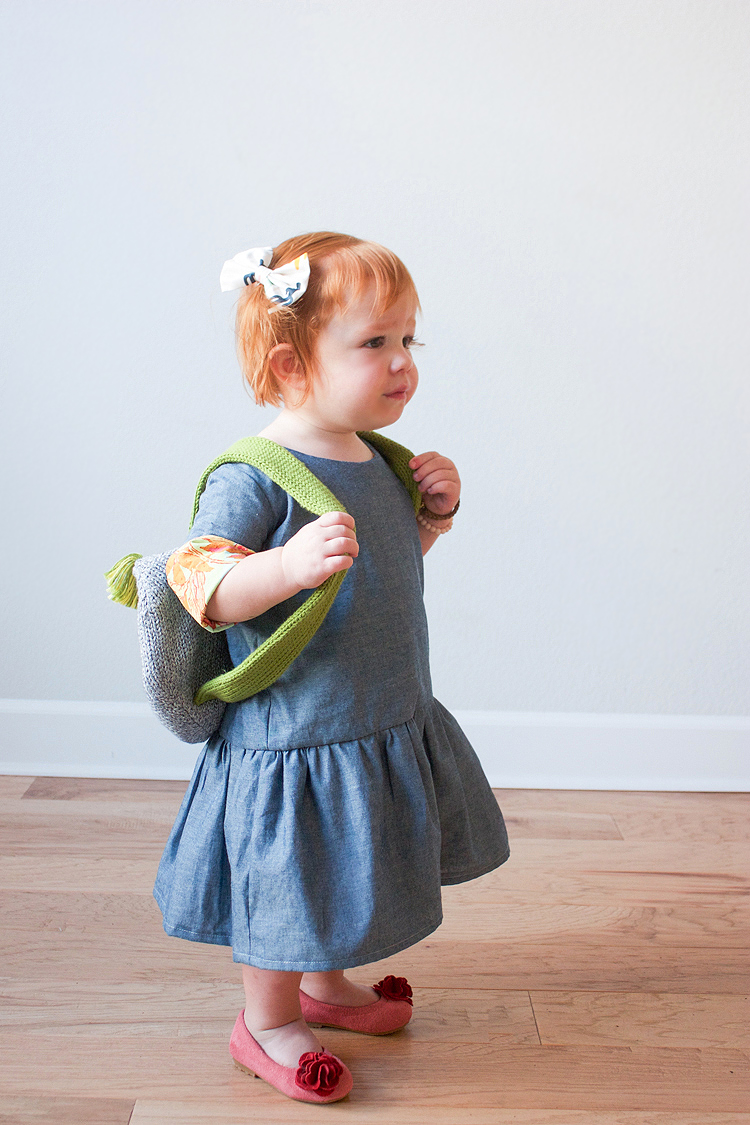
(379, 342)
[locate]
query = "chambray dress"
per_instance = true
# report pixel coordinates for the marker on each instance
(323, 816)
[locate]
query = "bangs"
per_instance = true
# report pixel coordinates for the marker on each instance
(349, 272)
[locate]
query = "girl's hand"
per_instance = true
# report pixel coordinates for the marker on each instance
(319, 549)
(438, 481)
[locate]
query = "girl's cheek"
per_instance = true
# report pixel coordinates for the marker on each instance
(413, 390)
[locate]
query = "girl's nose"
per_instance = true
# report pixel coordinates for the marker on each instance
(403, 360)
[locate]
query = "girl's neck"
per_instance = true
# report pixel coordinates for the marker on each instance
(295, 432)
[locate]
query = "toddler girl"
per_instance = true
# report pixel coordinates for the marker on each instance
(327, 810)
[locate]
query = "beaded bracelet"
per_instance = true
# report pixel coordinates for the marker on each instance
(431, 526)
(446, 520)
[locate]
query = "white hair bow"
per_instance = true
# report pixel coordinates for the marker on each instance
(283, 285)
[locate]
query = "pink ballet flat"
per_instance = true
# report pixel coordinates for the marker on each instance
(319, 1077)
(390, 1012)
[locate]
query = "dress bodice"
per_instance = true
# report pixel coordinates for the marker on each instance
(367, 667)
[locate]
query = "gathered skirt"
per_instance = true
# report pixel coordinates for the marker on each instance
(327, 857)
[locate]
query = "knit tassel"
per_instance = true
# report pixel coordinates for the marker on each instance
(121, 585)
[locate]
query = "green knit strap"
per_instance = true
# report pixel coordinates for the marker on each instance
(282, 467)
(264, 666)
(397, 457)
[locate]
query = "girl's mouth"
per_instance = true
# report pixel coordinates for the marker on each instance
(398, 394)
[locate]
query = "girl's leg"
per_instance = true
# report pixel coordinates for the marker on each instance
(273, 1015)
(334, 988)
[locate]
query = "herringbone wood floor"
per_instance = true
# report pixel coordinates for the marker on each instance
(599, 978)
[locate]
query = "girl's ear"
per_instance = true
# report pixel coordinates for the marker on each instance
(287, 369)
(284, 362)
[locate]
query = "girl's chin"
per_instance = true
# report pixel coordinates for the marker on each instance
(376, 419)
(386, 419)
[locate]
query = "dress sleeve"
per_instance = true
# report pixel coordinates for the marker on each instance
(242, 504)
(195, 570)
(239, 510)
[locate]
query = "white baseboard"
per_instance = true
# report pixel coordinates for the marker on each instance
(518, 750)
(568, 750)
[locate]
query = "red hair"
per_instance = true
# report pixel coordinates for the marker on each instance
(342, 268)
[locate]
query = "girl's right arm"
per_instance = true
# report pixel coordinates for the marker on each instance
(265, 578)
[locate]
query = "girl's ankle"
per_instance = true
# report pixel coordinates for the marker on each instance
(338, 990)
(285, 1044)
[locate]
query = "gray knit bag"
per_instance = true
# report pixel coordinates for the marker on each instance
(178, 656)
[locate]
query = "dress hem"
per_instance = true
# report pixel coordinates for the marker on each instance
(449, 879)
(351, 962)
(341, 962)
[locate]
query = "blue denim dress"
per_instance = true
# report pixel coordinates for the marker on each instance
(326, 812)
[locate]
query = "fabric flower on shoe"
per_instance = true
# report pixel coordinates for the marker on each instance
(394, 988)
(319, 1071)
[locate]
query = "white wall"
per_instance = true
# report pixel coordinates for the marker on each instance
(568, 183)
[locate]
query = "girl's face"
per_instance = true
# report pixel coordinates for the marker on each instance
(364, 370)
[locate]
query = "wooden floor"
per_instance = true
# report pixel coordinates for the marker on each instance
(598, 978)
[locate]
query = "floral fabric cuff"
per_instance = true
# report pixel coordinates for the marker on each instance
(195, 570)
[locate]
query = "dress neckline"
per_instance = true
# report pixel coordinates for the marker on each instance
(333, 460)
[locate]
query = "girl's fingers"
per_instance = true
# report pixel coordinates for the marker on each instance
(335, 529)
(420, 459)
(330, 518)
(338, 532)
(338, 562)
(435, 464)
(438, 477)
(342, 545)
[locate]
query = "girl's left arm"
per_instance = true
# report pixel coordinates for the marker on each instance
(426, 538)
(440, 485)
